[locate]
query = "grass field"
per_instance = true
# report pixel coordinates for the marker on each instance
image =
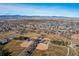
(77, 49)
(6, 34)
(52, 51)
(14, 47)
(58, 45)
(32, 35)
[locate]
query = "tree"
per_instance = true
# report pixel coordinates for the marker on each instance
(5, 52)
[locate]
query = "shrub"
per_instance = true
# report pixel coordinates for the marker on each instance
(60, 42)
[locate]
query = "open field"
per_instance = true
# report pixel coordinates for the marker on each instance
(75, 38)
(14, 47)
(40, 38)
(26, 44)
(17, 46)
(52, 50)
(6, 34)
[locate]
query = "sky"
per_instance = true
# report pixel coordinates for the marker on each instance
(40, 9)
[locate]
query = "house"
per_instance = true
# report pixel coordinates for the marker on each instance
(3, 41)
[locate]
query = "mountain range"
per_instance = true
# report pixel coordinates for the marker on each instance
(12, 17)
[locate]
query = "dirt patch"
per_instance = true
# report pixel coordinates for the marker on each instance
(75, 38)
(26, 44)
(42, 46)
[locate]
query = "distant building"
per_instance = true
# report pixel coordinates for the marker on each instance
(3, 41)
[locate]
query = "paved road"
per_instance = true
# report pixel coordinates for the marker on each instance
(74, 48)
(67, 51)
